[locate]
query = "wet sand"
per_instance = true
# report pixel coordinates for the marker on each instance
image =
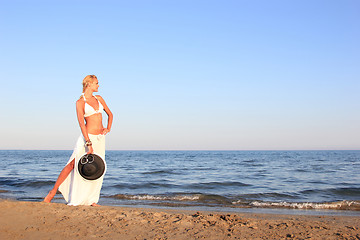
(35, 220)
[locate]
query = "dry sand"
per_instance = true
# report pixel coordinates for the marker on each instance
(35, 220)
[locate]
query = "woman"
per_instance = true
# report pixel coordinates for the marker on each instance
(75, 189)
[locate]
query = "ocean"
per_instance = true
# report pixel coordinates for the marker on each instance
(255, 181)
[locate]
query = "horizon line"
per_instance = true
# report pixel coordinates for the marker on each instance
(15, 149)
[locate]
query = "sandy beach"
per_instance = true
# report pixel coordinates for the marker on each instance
(36, 220)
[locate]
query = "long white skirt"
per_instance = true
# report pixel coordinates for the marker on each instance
(77, 190)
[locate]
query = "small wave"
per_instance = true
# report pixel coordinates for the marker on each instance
(343, 191)
(178, 197)
(207, 199)
(214, 199)
(346, 191)
(340, 205)
(25, 183)
(158, 172)
(216, 185)
(268, 196)
(149, 185)
(37, 183)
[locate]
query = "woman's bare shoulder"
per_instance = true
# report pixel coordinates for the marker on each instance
(80, 101)
(100, 98)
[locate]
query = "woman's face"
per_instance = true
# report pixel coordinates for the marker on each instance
(94, 85)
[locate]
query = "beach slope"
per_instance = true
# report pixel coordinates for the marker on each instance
(35, 220)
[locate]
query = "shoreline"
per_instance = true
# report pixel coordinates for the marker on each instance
(204, 208)
(38, 220)
(104, 201)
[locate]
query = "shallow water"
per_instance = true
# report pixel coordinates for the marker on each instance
(321, 180)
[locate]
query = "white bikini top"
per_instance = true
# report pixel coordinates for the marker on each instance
(89, 110)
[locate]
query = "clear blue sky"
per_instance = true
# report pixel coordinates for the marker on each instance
(189, 75)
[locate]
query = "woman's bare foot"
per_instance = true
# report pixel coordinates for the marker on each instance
(50, 196)
(95, 205)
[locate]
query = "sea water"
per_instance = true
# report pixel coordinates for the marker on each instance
(220, 180)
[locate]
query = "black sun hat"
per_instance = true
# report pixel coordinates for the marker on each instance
(91, 166)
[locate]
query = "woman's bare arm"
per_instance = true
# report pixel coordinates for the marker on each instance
(108, 112)
(80, 111)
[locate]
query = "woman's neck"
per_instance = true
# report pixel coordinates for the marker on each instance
(88, 94)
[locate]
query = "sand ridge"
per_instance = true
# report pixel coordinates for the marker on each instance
(35, 220)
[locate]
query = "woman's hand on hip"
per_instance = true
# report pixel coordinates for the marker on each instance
(105, 131)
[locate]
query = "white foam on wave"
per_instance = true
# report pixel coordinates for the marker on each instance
(163, 198)
(308, 205)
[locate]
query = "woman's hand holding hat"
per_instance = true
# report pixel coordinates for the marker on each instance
(90, 150)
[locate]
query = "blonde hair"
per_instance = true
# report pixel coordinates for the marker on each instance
(87, 80)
